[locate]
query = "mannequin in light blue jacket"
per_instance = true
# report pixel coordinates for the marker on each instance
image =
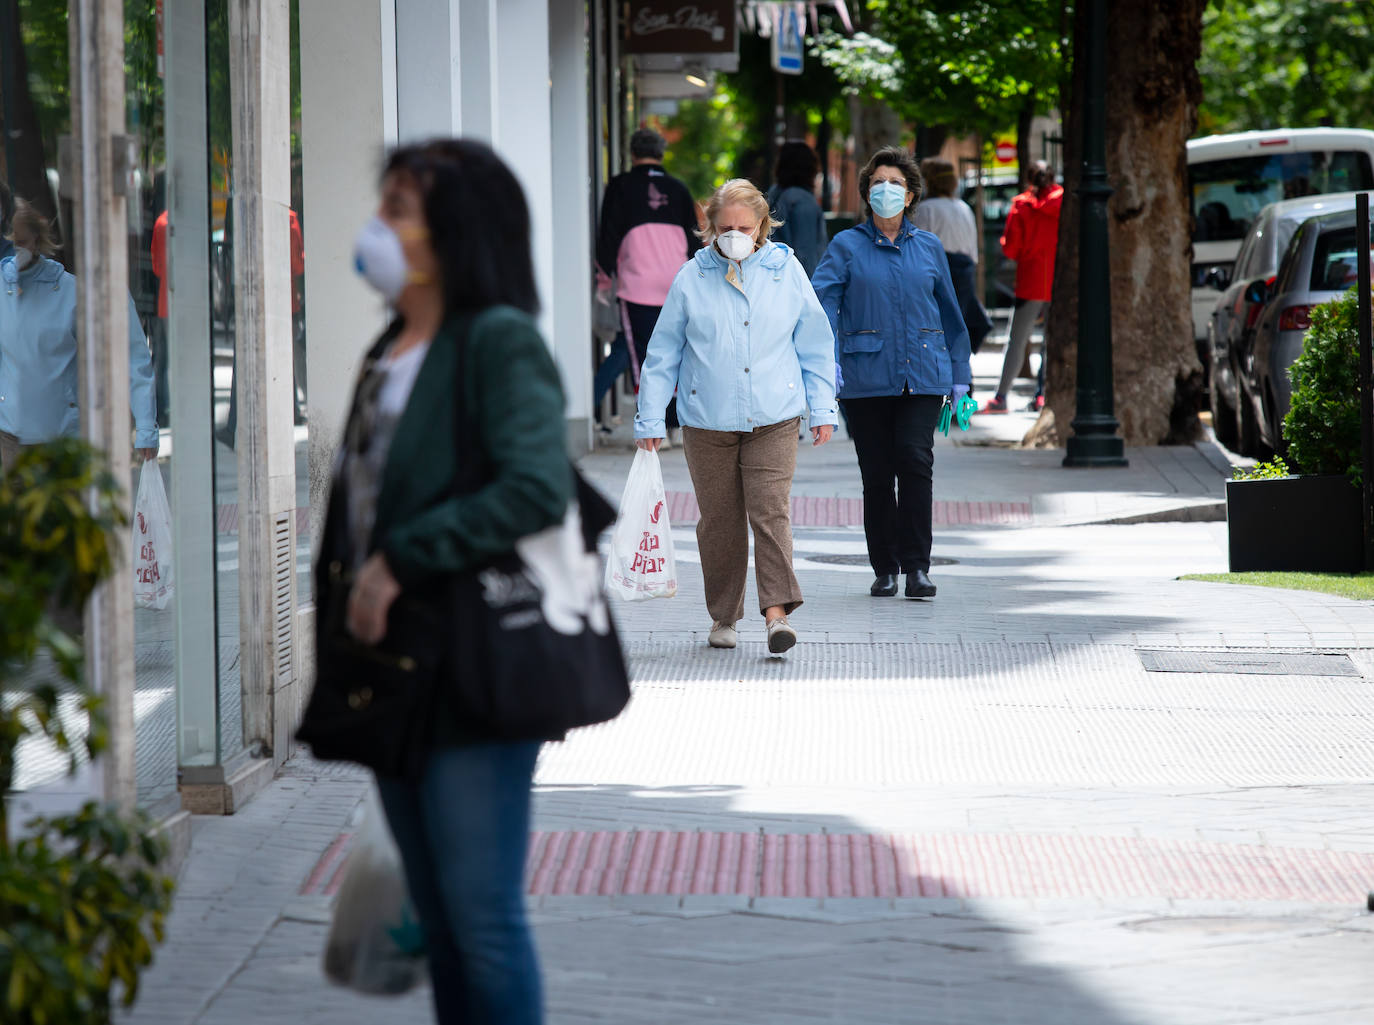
(748, 349)
(39, 390)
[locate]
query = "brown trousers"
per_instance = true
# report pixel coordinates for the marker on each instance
(9, 450)
(743, 480)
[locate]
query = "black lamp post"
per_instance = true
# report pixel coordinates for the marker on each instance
(1094, 441)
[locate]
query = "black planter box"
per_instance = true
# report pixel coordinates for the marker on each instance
(1306, 524)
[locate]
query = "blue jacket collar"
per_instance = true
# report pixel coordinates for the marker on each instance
(42, 269)
(871, 230)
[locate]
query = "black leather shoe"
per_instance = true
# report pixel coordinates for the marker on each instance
(918, 585)
(885, 586)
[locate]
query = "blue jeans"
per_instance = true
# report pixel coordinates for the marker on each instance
(463, 832)
(611, 367)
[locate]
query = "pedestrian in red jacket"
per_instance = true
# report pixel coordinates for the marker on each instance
(1030, 238)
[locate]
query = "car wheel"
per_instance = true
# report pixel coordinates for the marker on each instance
(1275, 425)
(1249, 427)
(1224, 421)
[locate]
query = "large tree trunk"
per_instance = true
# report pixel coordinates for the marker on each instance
(1152, 96)
(875, 125)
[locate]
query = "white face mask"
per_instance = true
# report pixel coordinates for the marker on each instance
(23, 257)
(736, 245)
(379, 258)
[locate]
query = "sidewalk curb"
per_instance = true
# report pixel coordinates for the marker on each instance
(1198, 512)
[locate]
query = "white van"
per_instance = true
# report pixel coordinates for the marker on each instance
(1232, 177)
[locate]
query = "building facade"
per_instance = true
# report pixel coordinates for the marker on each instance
(213, 161)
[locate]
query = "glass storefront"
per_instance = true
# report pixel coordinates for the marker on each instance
(182, 262)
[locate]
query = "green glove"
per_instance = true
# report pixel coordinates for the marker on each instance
(946, 414)
(968, 405)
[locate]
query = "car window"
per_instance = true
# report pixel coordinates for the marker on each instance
(996, 199)
(1291, 258)
(1283, 234)
(1227, 195)
(1333, 262)
(1250, 250)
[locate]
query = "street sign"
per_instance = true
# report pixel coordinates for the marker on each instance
(1005, 151)
(789, 43)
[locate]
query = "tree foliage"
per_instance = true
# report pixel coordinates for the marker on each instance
(1287, 64)
(1322, 426)
(970, 64)
(704, 136)
(81, 899)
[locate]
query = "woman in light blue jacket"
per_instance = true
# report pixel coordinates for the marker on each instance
(747, 348)
(38, 378)
(904, 353)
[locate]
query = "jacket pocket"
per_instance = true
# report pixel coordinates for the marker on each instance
(934, 337)
(862, 341)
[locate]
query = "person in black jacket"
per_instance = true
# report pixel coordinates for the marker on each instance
(647, 232)
(792, 200)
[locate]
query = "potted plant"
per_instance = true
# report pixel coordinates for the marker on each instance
(1309, 520)
(81, 899)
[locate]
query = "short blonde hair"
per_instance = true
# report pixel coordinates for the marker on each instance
(738, 192)
(38, 227)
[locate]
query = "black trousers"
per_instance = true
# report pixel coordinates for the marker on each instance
(894, 437)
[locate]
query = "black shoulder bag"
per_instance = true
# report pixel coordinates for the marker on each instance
(535, 651)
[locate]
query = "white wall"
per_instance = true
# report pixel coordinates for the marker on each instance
(570, 301)
(348, 117)
(523, 129)
(428, 69)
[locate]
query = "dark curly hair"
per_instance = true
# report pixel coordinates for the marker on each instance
(470, 195)
(893, 156)
(797, 166)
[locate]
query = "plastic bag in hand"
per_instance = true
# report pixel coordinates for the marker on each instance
(375, 944)
(153, 583)
(641, 563)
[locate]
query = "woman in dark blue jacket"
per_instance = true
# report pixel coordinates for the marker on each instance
(903, 351)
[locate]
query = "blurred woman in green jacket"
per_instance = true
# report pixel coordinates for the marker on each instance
(449, 249)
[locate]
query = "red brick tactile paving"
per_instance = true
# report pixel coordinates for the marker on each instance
(812, 511)
(836, 865)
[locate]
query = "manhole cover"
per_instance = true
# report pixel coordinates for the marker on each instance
(859, 560)
(1254, 663)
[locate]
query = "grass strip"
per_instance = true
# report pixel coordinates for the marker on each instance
(1345, 585)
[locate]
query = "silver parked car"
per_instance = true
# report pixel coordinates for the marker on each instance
(1233, 319)
(1318, 265)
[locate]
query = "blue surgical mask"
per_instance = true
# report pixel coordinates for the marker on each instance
(887, 199)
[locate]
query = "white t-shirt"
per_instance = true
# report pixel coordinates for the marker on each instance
(364, 469)
(952, 220)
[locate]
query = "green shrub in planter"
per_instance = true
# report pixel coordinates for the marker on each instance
(81, 898)
(1322, 426)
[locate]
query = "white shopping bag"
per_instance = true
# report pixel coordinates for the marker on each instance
(153, 582)
(641, 563)
(374, 944)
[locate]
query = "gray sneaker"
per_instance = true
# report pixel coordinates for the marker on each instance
(722, 635)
